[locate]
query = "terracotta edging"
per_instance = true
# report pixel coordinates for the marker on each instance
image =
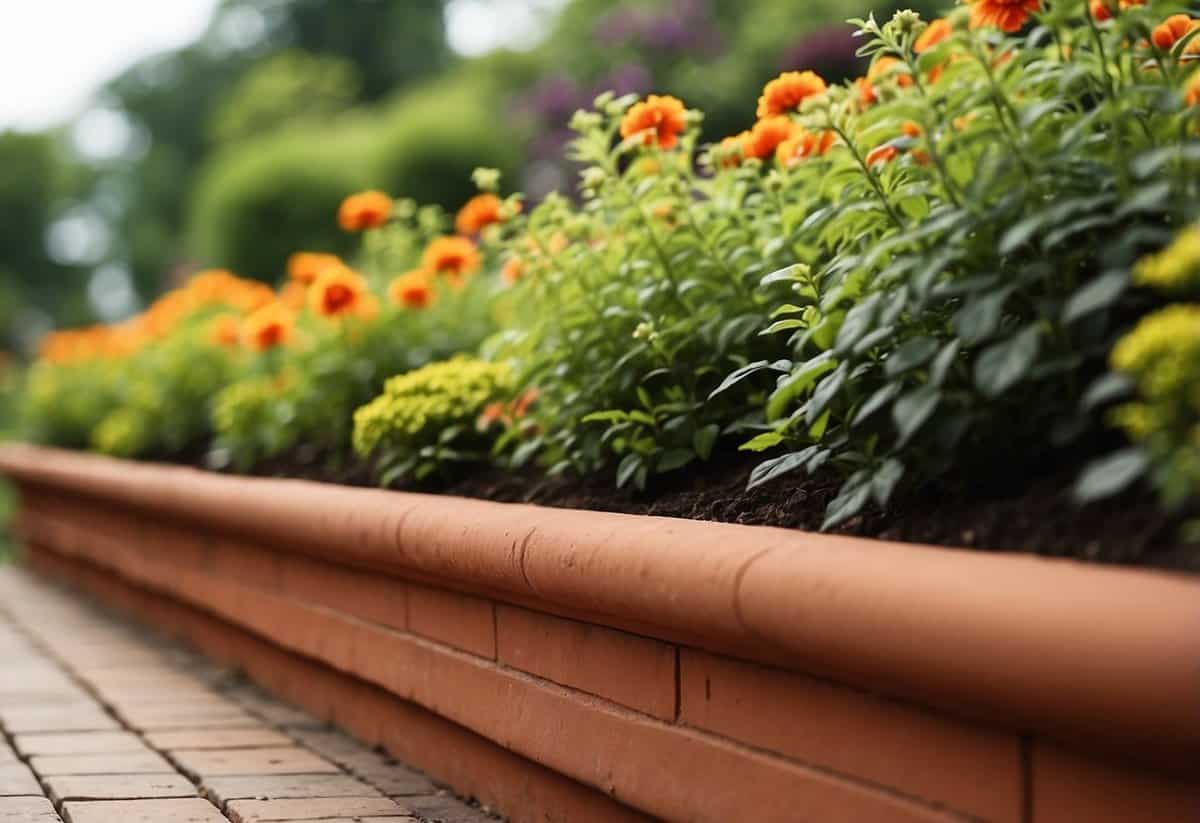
(1073, 651)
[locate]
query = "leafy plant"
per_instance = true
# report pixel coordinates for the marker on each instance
(427, 421)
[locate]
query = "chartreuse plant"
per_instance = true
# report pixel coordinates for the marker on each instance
(1156, 369)
(429, 420)
(417, 295)
(963, 269)
(633, 306)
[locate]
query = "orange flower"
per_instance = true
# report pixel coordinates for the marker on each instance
(936, 32)
(659, 119)
(803, 144)
(1170, 31)
(1006, 15)
(272, 325)
(365, 210)
(480, 211)
(766, 136)
(513, 268)
(732, 149)
(294, 295)
(455, 257)
(1100, 10)
(1192, 94)
(911, 129)
(225, 330)
(789, 90)
(338, 290)
(304, 266)
(882, 154)
(884, 66)
(413, 290)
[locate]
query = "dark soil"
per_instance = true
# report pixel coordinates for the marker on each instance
(1032, 512)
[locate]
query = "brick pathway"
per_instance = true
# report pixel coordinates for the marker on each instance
(103, 723)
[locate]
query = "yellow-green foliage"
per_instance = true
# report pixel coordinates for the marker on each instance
(424, 418)
(62, 403)
(1162, 356)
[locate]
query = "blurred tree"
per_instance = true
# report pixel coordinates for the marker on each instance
(290, 87)
(37, 176)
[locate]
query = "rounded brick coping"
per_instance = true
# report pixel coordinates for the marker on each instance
(1102, 654)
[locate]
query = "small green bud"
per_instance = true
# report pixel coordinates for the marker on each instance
(486, 179)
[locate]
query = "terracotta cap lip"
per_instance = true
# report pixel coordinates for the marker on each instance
(1072, 650)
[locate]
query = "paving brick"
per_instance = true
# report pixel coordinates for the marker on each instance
(393, 779)
(366, 808)
(468, 623)
(280, 760)
(285, 786)
(118, 787)
(69, 718)
(585, 656)
(445, 809)
(203, 716)
(251, 738)
(79, 743)
(28, 810)
(146, 762)
(16, 780)
(333, 745)
(190, 810)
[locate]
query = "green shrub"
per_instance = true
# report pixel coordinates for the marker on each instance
(260, 200)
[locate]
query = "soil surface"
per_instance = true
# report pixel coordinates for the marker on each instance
(1031, 511)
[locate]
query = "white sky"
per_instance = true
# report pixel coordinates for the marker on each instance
(55, 53)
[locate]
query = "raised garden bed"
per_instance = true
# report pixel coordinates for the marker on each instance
(606, 667)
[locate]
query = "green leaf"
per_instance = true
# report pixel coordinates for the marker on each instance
(704, 439)
(943, 362)
(608, 416)
(770, 469)
(850, 500)
(675, 459)
(876, 401)
(798, 382)
(910, 354)
(762, 442)
(1097, 294)
(825, 393)
(913, 409)
(1105, 389)
(980, 317)
(884, 481)
(858, 322)
(1109, 475)
(1003, 364)
(628, 467)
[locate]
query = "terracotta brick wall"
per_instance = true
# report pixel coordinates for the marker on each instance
(595, 722)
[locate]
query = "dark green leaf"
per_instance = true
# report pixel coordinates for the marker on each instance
(876, 401)
(910, 354)
(943, 362)
(913, 409)
(824, 393)
(1097, 294)
(850, 500)
(1003, 364)
(704, 439)
(1109, 475)
(770, 469)
(884, 481)
(627, 468)
(1106, 389)
(980, 317)
(674, 459)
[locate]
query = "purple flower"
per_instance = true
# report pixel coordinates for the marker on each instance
(828, 51)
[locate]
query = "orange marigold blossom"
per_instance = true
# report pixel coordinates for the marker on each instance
(365, 210)
(731, 149)
(1006, 15)
(294, 295)
(1170, 31)
(1100, 10)
(911, 129)
(512, 270)
(272, 325)
(304, 266)
(804, 144)
(413, 290)
(454, 257)
(480, 211)
(1191, 95)
(659, 119)
(789, 90)
(884, 66)
(935, 33)
(338, 290)
(882, 154)
(225, 330)
(766, 136)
